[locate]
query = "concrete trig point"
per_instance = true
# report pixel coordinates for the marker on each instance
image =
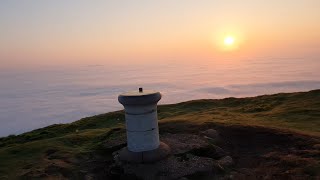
(143, 144)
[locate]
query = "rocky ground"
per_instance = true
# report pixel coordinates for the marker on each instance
(190, 154)
(223, 153)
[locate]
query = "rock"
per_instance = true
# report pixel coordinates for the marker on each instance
(88, 177)
(210, 151)
(191, 155)
(210, 133)
(218, 153)
(145, 157)
(115, 171)
(171, 168)
(226, 162)
(183, 178)
(316, 146)
(182, 143)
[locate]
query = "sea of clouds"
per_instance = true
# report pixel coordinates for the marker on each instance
(37, 98)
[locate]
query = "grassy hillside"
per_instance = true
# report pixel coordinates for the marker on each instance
(59, 150)
(295, 111)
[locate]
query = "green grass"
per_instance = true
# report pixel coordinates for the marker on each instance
(295, 111)
(66, 143)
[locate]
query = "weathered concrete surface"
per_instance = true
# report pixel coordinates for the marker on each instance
(141, 120)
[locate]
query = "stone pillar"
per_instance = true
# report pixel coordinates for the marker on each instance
(143, 144)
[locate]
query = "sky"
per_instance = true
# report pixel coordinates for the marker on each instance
(35, 33)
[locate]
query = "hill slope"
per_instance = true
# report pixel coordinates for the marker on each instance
(287, 122)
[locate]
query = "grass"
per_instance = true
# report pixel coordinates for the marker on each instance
(295, 111)
(33, 153)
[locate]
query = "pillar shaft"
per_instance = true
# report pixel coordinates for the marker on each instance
(142, 127)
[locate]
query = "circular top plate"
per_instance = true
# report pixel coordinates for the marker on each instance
(137, 93)
(139, 97)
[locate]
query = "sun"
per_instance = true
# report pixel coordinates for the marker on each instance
(229, 40)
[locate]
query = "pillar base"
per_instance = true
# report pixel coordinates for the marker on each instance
(146, 156)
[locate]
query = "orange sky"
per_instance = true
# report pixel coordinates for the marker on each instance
(82, 32)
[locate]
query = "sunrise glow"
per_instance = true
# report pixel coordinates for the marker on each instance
(153, 32)
(229, 40)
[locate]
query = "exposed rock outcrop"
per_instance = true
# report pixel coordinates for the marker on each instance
(190, 155)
